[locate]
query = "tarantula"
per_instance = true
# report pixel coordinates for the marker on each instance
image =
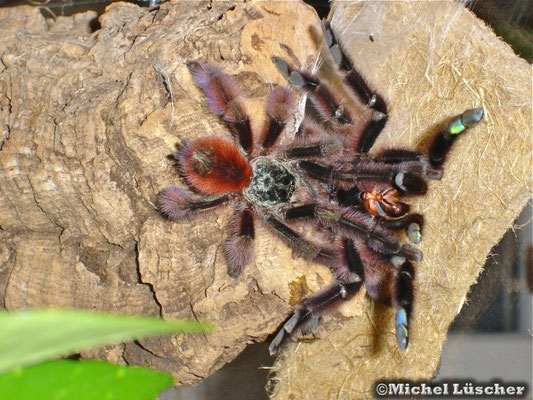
(320, 174)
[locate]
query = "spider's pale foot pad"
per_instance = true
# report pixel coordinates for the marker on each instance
(282, 66)
(303, 320)
(402, 333)
(285, 332)
(413, 232)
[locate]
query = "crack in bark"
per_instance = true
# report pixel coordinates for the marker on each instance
(50, 217)
(138, 343)
(149, 285)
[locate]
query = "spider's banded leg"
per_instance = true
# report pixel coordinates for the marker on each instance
(353, 262)
(444, 139)
(225, 99)
(390, 281)
(325, 173)
(403, 301)
(407, 182)
(347, 282)
(404, 176)
(177, 204)
(317, 147)
(311, 308)
(322, 97)
(302, 247)
(418, 163)
(239, 248)
(281, 105)
(360, 88)
(356, 225)
(412, 223)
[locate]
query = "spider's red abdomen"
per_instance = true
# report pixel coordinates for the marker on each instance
(214, 166)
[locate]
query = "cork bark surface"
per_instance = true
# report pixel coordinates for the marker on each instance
(91, 110)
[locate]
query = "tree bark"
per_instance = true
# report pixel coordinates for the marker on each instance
(89, 116)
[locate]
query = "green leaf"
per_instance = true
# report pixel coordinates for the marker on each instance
(82, 380)
(29, 337)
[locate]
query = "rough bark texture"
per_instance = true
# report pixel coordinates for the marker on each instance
(88, 118)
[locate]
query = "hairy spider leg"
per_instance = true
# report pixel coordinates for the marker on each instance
(225, 99)
(403, 301)
(177, 204)
(303, 247)
(319, 145)
(346, 283)
(397, 175)
(430, 164)
(361, 227)
(390, 281)
(444, 139)
(239, 248)
(281, 105)
(328, 105)
(355, 81)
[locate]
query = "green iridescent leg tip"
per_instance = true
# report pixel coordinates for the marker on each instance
(465, 120)
(414, 234)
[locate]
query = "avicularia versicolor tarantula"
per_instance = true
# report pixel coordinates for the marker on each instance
(322, 175)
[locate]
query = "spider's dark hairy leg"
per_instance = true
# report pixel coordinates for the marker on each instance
(444, 139)
(349, 197)
(403, 176)
(403, 300)
(360, 88)
(359, 226)
(303, 151)
(353, 261)
(177, 204)
(225, 99)
(417, 162)
(311, 308)
(407, 182)
(347, 282)
(390, 281)
(281, 105)
(399, 155)
(302, 247)
(325, 173)
(318, 147)
(239, 248)
(412, 223)
(322, 97)
(302, 211)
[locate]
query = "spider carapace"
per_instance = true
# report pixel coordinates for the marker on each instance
(320, 173)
